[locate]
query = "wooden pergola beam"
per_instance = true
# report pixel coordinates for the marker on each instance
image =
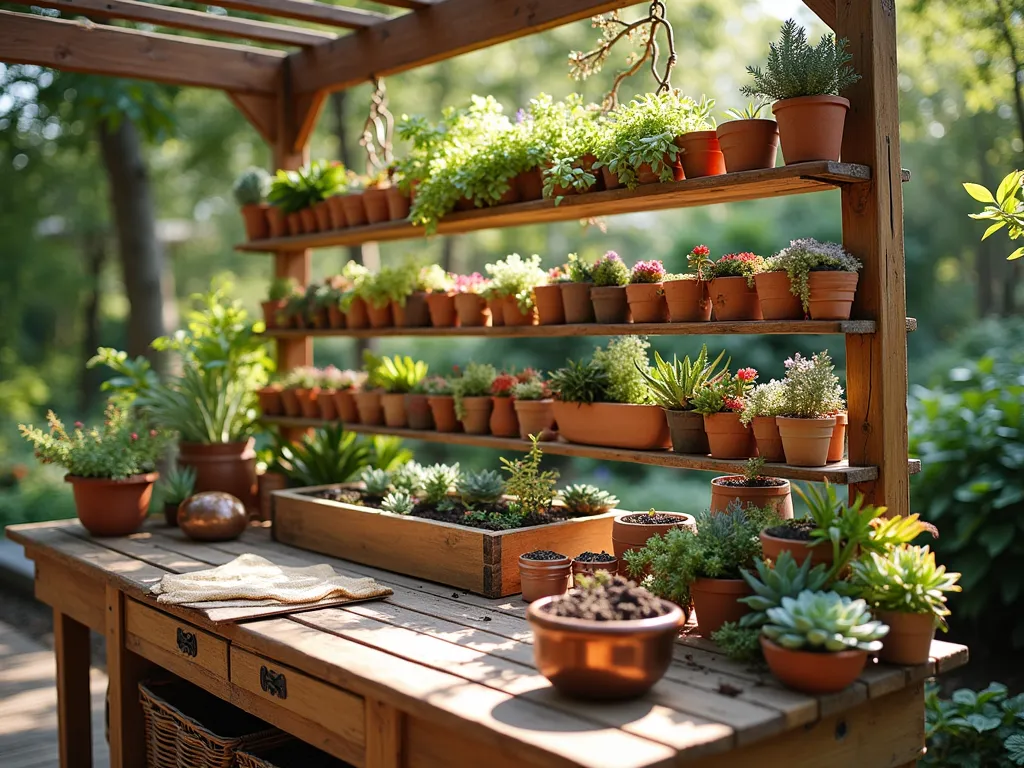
(79, 46)
(182, 18)
(412, 5)
(824, 10)
(440, 32)
(309, 10)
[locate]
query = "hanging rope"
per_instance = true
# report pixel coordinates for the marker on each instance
(378, 131)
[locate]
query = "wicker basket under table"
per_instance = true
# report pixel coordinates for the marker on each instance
(294, 754)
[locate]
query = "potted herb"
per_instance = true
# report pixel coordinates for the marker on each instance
(732, 287)
(576, 291)
(513, 280)
(608, 292)
(700, 152)
(641, 143)
(543, 573)
(368, 396)
(411, 309)
(503, 421)
(442, 404)
(748, 141)
(383, 292)
(589, 563)
(906, 589)
(111, 468)
(632, 530)
(687, 296)
(250, 190)
(821, 278)
(811, 394)
(720, 402)
(532, 402)
(804, 83)
(548, 298)
(324, 180)
(470, 304)
(174, 489)
(567, 176)
(752, 489)
(645, 292)
(575, 636)
(472, 395)
(673, 387)
(440, 296)
(763, 403)
(397, 376)
(288, 195)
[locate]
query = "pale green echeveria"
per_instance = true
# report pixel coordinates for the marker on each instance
(824, 622)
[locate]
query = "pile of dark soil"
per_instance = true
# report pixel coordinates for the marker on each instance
(739, 481)
(794, 530)
(543, 554)
(595, 557)
(643, 518)
(617, 600)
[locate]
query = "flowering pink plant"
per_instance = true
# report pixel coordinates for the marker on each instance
(474, 283)
(558, 275)
(647, 272)
(724, 393)
(739, 265)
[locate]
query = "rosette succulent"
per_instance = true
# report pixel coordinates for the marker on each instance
(584, 499)
(824, 622)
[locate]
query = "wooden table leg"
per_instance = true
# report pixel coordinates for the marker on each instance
(74, 702)
(383, 735)
(124, 671)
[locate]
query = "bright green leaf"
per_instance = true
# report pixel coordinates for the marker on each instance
(979, 193)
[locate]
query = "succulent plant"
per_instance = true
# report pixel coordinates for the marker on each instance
(672, 386)
(906, 579)
(483, 487)
(251, 186)
(823, 622)
(586, 499)
(400, 374)
(178, 483)
(407, 477)
(398, 503)
(440, 480)
(530, 390)
(376, 481)
(771, 584)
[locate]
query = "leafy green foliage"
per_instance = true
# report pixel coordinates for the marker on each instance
(673, 386)
(585, 499)
(398, 502)
(811, 389)
(824, 622)
(738, 643)
(1004, 209)
(282, 288)
(534, 389)
(580, 381)
(483, 487)
(293, 191)
(566, 173)
(751, 112)
(766, 399)
(974, 729)
(328, 455)
(578, 270)
(400, 374)
(906, 580)
(517, 277)
(177, 484)
(624, 360)
(533, 489)
(807, 255)
(389, 284)
(251, 186)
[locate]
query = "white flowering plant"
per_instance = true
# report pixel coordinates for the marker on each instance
(808, 255)
(811, 387)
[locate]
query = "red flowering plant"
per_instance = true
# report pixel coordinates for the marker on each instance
(725, 393)
(558, 275)
(503, 384)
(700, 263)
(647, 272)
(739, 265)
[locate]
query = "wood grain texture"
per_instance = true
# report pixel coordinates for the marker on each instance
(383, 735)
(101, 50)
(74, 698)
(125, 670)
(79, 599)
(260, 111)
(824, 10)
(145, 625)
(304, 10)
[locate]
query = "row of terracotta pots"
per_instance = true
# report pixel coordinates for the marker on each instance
(800, 442)
(542, 578)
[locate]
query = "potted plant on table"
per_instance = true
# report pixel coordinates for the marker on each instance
(513, 280)
(543, 573)
(748, 141)
(733, 295)
(608, 292)
(397, 376)
(811, 395)
(470, 302)
(503, 421)
(820, 278)
(548, 298)
(250, 191)
(576, 291)
(645, 292)
(632, 530)
(762, 404)
(174, 488)
(532, 401)
(472, 397)
(111, 468)
(721, 402)
(752, 489)
(442, 403)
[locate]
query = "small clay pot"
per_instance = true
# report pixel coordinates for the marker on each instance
(337, 212)
(418, 412)
(688, 301)
(576, 302)
(611, 180)
(325, 402)
(700, 154)
(290, 402)
(368, 402)
(227, 467)
(503, 421)
(811, 127)
(358, 314)
(837, 446)
(335, 317)
(910, 637)
(443, 409)
(749, 145)
(767, 438)
(831, 294)
(733, 299)
(277, 220)
(510, 195)
(686, 429)
(806, 441)
(309, 223)
(355, 211)
(645, 175)
(380, 317)
(613, 425)
(727, 437)
(464, 204)
(530, 184)
(773, 546)
(534, 416)
(628, 536)
(108, 507)
(775, 297)
(212, 516)
(257, 227)
(588, 568)
(308, 401)
(320, 318)
(270, 400)
(472, 310)
(295, 225)
(647, 302)
(345, 405)
(550, 310)
(442, 309)
(322, 213)
(813, 672)
(398, 204)
(415, 313)
(393, 404)
(496, 306)
(375, 201)
(543, 578)
(778, 496)
(610, 303)
(477, 418)
(514, 316)
(714, 601)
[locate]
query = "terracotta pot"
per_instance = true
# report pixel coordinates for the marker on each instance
(503, 421)
(443, 409)
(733, 299)
(586, 162)
(611, 180)
(394, 409)
(647, 303)
(610, 303)
(226, 467)
(773, 546)
(477, 418)
(614, 425)
(837, 445)
(602, 659)
(832, 294)
(749, 145)
(534, 416)
(345, 405)
(442, 309)
(325, 402)
(398, 204)
(270, 401)
(464, 204)
(767, 438)
(309, 222)
(688, 301)
(358, 314)
(256, 225)
(727, 437)
(375, 201)
(472, 310)
(496, 306)
(530, 184)
(806, 441)
(813, 673)
(380, 317)
(910, 637)
(686, 430)
(277, 220)
(811, 127)
(336, 210)
(108, 507)
(543, 578)
(355, 211)
(714, 601)
(645, 175)
(308, 402)
(514, 316)
(295, 226)
(700, 154)
(778, 496)
(418, 412)
(322, 213)
(576, 302)
(588, 568)
(368, 403)
(290, 402)
(510, 195)
(550, 310)
(171, 515)
(266, 484)
(629, 536)
(775, 297)
(335, 317)
(415, 313)
(321, 318)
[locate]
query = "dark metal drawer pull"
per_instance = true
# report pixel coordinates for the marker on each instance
(187, 643)
(273, 683)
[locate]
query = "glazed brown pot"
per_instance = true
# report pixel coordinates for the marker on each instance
(368, 403)
(714, 601)
(477, 418)
(910, 637)
(701, 154)
(813, 673)
(171, 515)
(290, 402)
(778, 496)
(688, 301)
(212, 516)
(307, 401)
(418, 412)
(325, 402)
(295, 225)
(811, 127)
(443, 409)
(629, 536)
(309, 223)
(610, 303)
(108, 507)
(806, 441)
(335, 317)
(270, 401)
(442, 309)
(775, 297)
(345, 405)
(398, 204)
(773, 546)
(355, 211)
(749, 145)
(472, 310)
(647, 302)
(513, 315)
(614, 425)
(277, 221)
(733, 299)
(380, 317)
(375, 201)
(576, 302)
(831, 294)
(496, 306)
(255, 217)
(534, 416)
(322, 213)
(266, 484)
(358, 314)
(503, 421)
(393, 404)
(727, 437)
(550, 309)
(767, 438)
(686, 429)
(543, 578)
(530, 184)
(415, 313)
(336, 209)
(837, 445)
(226, 467)
(602, 659)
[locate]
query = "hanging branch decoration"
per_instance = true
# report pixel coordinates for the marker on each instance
(378, 131)
(643, 35)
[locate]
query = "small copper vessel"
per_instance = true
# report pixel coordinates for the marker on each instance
(212, 516)
(602, 659)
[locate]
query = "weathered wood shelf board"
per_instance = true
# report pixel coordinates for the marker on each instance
(799, 178)
(839, 472)
(483, 562)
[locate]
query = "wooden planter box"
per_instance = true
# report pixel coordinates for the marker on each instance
(484, 562)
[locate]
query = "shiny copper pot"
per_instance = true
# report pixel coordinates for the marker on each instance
(212, 516)
(602, 659)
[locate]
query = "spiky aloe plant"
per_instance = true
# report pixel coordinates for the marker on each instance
(178, 483)
(824, 622)
(377, 482)
(398, 503)
(483, 487)
(673, 386)
(586, 499)
(438, 481)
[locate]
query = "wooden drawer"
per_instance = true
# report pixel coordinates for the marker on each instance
(176, 645)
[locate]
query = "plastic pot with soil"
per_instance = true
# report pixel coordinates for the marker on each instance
(757, 492)
(543, 573)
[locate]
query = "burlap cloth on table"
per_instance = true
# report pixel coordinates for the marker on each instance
(251, 580)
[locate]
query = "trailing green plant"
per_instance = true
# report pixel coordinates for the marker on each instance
(440, 480)
(475, 381)
(585, 499)
(824, 622)
(398, 502)
(328, 455)
(532, 489)
(580, 381)
(904, 579)
(624, 360)
(485, 486)
(567, 174)
(1004, 209)
(251, 186)
(811, 390)
(808, 255)
(376, 482)
(768, 399)
(517, 277)
(609, 270)
(673, 386)
(389, 284)
(400, 374)
(177, 483)
(974, 729)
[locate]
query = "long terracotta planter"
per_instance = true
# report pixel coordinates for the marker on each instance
(417, 409)
(727, 437)
(108, 507)
(443, 409)
(257, 227)
(686, 429)
(831, 294)
(544, 578)
(714, 601)
(514, 316)
(472, 310)
(503, 421)
(371, 411)
(393, 405)
(688, 301)
(775, 297)
(442, 309)
(806, 441)
(701, 154)
(576, 302)
(778, 496)
(477, 418)
(749, 145)
(811, 127)
(733, 299)
(358, 314)
(813, 673)
(628, 536)
(550, 310)
(910, 637)
(534, 416)
(647, 303)
(355, 211)
(227, 467)
(380, 317)
(773, 546)
(610, 303)
(614, 425)
(837, 446)
(345, 405)
(767, 438)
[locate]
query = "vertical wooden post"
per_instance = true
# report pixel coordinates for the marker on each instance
(873, 232)
(383, 735)
(74, 701)
(124, 671)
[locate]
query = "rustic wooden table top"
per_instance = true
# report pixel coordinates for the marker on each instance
(466, 662)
